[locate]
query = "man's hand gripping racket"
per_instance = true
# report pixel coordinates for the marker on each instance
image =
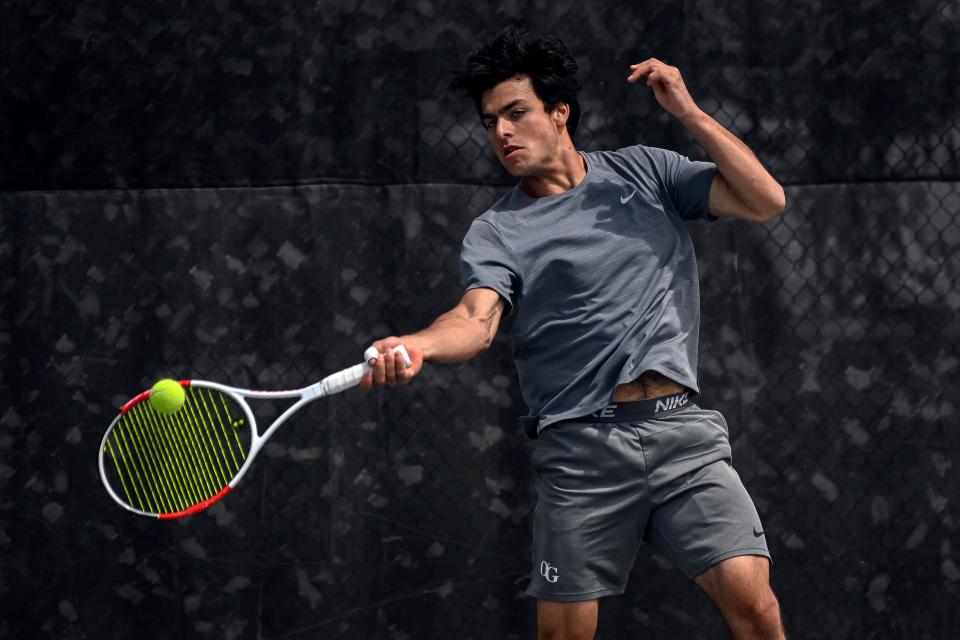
(170, 465)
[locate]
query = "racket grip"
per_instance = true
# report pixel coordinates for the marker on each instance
(343, 380)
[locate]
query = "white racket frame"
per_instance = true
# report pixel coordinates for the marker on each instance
(332, 384)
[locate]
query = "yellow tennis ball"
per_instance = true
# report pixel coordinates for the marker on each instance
(167, 396)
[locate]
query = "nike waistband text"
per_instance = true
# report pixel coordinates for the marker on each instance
(639, 410)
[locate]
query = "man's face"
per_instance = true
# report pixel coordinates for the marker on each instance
(525, 137)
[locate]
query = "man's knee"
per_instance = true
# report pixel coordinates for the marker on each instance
(762, 615)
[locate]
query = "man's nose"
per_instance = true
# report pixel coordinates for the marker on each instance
(504, 129)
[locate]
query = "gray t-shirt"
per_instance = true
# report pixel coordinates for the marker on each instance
(601, 280)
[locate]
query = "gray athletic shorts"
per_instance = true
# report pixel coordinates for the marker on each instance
(603, 487)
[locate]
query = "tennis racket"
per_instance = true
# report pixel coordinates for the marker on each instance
(174, 465)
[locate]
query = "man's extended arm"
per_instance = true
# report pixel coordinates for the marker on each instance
(742, 188)
(456, 336)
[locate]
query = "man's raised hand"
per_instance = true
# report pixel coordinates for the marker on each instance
(668, 86)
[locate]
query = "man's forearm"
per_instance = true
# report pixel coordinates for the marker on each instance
(738, 165)
(454, 338)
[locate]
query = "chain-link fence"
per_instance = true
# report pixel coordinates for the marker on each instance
(144, 235)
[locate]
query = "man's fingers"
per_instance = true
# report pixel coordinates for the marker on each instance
(400, 368)
(645, 66)
(389, 368)
(639, 70)
(389, 365)
(366, 382)
(650, 67)
(379, 372)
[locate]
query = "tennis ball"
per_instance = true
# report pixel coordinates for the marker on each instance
(167, 396)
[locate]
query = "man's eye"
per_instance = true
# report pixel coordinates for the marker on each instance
(518, 113)
(488, 124)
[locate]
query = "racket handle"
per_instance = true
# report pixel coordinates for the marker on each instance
(342, 380)
(351, 377)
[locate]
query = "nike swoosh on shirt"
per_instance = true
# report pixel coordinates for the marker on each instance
(626, 199)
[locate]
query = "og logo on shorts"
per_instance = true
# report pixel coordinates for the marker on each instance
(551, 573)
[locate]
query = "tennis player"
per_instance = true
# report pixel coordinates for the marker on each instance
(591, 255)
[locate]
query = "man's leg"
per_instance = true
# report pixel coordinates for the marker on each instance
(566, 620)
(740, 587)
(588, 523)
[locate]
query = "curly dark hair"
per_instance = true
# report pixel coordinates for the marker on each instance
(513, 52)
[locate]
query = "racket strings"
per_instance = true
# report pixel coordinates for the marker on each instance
(168, 463)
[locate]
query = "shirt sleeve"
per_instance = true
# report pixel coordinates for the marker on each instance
(685, 182)
(486, 262)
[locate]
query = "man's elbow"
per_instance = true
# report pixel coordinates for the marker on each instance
(774, 206)
(485, 342)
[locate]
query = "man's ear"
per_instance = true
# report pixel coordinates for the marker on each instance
(561, 113)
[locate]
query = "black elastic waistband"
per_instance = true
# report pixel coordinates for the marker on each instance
(637, 410)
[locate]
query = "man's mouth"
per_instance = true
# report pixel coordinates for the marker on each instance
(509, 152)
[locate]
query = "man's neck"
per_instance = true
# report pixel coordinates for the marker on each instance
(568, 172)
